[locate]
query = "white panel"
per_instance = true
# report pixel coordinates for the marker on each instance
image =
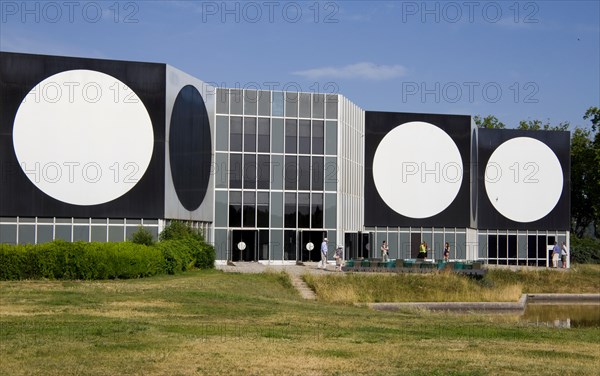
(83, 137)
(523, 179)
(417, 169)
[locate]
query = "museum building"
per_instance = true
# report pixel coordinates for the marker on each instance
(91, 149)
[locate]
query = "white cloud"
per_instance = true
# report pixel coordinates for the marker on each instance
(365, 70)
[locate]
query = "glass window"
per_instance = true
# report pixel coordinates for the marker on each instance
(502, 246)
(318, 106)
(132, 221)
(114, 221)
(512, 246)
(330, 210)
(99, 220)
(331, 137)
(317, 173)
(221, 209)
(44, 234)
(276, 245)
(249, 134)
(404, 246)
(483, 251)
(331, 106)
(8, 234)
(263, 172)
(276, 209)
(262, 209)
(82, 233)
(522, 246)
(249, 214)
(222, 101)
(116, 233)
(289, 245)
(291, 171)
(303, 210)
(51, 220)
(277, 172)
(291, 138)
(249, 171)
(222, 132)
(235, 171)
(64, 233)
(221, 244)
(290, 210)
(277, 103)
(305, 105)
(291, 104)
(235, 100)
(318, 137)
(83, 220)
(461, 246)
(317, 211)
(264, 103)
(304, 173)
(277, 141)
(304, 137)
(98, 233)
(438, 245)
(27, 234)
(392, 240)
(250, 102)
(331, 174)
(235, 137)
(235, 209)
(264, 135)
(221, 170)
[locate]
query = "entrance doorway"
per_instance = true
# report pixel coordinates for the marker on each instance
(250, 238)
(315, 237)
(415, 242)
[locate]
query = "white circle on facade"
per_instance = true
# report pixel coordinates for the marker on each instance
(523, 179)
(417, 169)
(310, 246)
(241, 246)
(83, 137)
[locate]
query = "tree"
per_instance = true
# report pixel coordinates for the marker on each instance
(585, 176)
(536, 125)
(489, 121)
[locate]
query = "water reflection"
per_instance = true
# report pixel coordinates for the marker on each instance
(563, 315)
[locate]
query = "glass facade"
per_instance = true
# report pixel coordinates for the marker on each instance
(274, 146)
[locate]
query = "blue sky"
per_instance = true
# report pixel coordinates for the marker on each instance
(516, 60)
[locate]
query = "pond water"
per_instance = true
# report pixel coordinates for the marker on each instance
(563, 315)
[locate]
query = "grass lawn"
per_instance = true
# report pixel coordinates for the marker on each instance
(212, 323)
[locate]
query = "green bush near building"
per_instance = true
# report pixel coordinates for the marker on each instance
(585, 250)
(89, 261)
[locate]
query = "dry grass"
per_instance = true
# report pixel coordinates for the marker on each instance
(211, 323)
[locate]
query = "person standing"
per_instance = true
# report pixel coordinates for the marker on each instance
(446, 251)
(339, 257)
(324, 253)
(422, 251)
(385, 251)
(555, 253)
(563, 255)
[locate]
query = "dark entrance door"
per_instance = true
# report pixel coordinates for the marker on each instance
(315, 237)
(366, 244)
(415, 242)
(352, 248)
(250, 238)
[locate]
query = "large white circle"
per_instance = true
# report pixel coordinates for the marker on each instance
(417, 169)
(523, 179)
(83, 137)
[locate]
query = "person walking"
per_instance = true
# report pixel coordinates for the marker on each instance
(385, 251)
(446, 251)
(422, 251)
(324, 253)
(555, 253)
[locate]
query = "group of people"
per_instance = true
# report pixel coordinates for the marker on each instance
(339, 256)
(559, 251)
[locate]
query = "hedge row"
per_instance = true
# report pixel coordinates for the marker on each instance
(79, 260)
(585, 251)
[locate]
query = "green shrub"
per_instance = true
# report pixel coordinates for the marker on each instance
(585, 250)
(142, 236)
(179, 230)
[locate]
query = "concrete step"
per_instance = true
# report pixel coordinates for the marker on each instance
(302, 288)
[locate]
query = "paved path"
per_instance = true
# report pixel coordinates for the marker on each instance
(294, 271)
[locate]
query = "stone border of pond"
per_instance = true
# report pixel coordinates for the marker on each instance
(486, 306)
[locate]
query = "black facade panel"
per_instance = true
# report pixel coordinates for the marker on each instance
(19, 74)
(458, 128)
(558, 217)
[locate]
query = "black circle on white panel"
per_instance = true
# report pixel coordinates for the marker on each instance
(190, 147)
